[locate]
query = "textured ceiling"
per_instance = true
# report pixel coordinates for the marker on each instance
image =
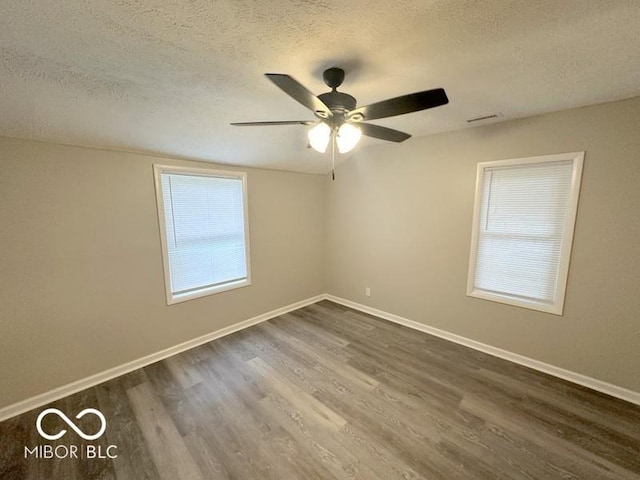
(168, 76)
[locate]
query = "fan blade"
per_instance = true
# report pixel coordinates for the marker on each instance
(285, 122)
(413, 102)
(298, 92)
(383, 133)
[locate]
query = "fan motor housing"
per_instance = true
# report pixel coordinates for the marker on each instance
(338, 101)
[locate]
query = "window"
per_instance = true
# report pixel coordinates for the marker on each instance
(522, 232)
(203, 231)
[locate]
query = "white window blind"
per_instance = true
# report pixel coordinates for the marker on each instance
(523, 229)
(203, 224)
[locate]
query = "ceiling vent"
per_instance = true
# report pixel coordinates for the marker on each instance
(484, 117)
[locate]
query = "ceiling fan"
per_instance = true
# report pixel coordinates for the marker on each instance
(337, 115)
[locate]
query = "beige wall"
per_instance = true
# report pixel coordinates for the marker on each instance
(81, 286)
(81, 282)
(399, 222)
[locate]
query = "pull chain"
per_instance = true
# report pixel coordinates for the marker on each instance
(333, 155)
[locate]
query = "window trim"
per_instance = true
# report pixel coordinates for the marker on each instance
(557, 307)
(213, 289)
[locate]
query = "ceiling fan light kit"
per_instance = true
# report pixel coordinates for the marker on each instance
(319, 137)
(348, 137)
(338, 119)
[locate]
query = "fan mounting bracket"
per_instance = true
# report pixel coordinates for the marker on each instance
(333, 77)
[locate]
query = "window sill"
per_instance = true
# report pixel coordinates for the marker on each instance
(554, 308)
(183, 297)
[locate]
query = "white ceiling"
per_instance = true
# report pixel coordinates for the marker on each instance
(168, 76)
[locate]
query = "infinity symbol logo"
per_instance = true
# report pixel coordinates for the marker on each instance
(46, 412)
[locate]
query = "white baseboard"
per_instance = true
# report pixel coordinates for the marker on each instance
(74, 387)
(592, 383)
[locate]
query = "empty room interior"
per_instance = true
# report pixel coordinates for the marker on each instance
(320, 240)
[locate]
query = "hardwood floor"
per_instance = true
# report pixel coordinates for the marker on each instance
(326, 392)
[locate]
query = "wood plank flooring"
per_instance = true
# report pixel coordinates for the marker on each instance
(326, 392)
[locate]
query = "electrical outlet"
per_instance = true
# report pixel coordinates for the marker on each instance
(367, 292)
